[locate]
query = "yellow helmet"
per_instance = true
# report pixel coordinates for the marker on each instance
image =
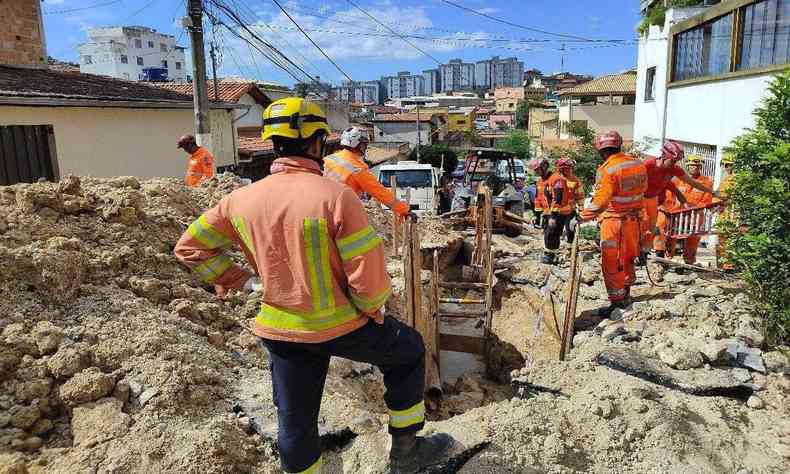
(728, 158)
(293, 117)
(694, 160)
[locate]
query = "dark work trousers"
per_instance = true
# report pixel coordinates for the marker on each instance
(570, 232)
(552, 233)
(299, 372)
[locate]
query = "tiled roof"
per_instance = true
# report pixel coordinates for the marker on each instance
(228, 91)
(252, 145)
(410, 117)
(49, 84)
(384, 109)
(605, 85)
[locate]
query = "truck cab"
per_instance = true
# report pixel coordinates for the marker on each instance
(418, 180)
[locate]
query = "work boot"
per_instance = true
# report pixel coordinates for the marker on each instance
(622, 304)
(411, 453)
(548, 258)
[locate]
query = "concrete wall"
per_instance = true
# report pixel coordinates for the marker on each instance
(254, 117)
(402, 132)
(600, 118)
(103, 142)
(22, 34)
(508, 119)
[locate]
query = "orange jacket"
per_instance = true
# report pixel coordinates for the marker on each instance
(558, 195)
(694, 196)
(347, 167)
(541, 203)
(577, 189)
(620, 184)
(200, 167)
(320, 262)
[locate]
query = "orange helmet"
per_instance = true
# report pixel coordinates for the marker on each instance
(536, 163)
(610, 139)
(564, 163)
(672, 151)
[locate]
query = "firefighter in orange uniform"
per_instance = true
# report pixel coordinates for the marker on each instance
(560, 204)
(576, 189)
(620, 184)
(201, 163)
(695, 198)
(727, 161)
(540, 166)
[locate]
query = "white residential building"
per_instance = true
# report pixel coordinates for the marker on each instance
(124, 52)
(405, 84)
(433, 81)
(496, 72)
(367, 92)
(694, 87)
(457, 75)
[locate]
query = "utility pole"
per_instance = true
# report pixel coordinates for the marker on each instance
(562, 58)
(419, 138)
(199, 85)
(213, 53)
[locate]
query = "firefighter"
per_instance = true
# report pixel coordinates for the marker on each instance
(660, 172)
(694, 198)
(620, 184)
(324, 280)
(576, 189)
(540, 166)
(201, 163)
(348, 167)
(560, 201)
(727, 162)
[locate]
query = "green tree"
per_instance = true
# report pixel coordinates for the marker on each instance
(433, 154)
(517, 142)
(522, 115)
(757, 226)
(584, 153)
(656, 14)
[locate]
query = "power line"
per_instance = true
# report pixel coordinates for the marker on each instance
(87, 7)
(311, 40)
(516, 25)
(138, 11)
(391, 30)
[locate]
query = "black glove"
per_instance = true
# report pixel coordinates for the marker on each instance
(536, 220)
(641, 260)
(411, 215)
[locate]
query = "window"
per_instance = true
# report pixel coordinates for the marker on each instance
(124, 59)
(138, 43)
(406, 178)
(162, 47)
(765, 27)
(704, 50)
(150, 44)
(650, 84)
(164, 64)
(87, 59)
(178, 65)
(139, 61)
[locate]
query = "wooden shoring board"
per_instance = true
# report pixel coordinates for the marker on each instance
(571, 298)
(396, 227)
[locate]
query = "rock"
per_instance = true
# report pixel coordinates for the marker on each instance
(136, 388)
(776, 361)
(704, 291)
(9, 464)
(42, 426)
(98, 422)
(150, 288)
(365, 424)
(122, 391)
(70, 185)
(581, 337)
(468, 384)
(681, 359)
(745, 356)
(680, 279)
(679, 306)
(245, 423)
(741, 375)
(748, 334)
(755, 402)
(69, 360)
(590, 274)
(604, 409)
(147, 395)
(47, 337)
(5, 419)
(33, 443)
(618, 314)
(125, 182)
(613, 330)
(87, 386)
(23, 417)
(216, 339)
(715, 352)
(29, 391)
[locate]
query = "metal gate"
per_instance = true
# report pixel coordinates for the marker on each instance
(27, 154)
(708, 154)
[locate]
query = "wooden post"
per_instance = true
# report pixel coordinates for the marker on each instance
(571, 298)
(395, 224)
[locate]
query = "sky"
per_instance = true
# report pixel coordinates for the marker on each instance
(363, 49)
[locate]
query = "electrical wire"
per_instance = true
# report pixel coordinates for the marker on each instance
(138, 11)
(79, 9)
(313, 42)
(391, 30)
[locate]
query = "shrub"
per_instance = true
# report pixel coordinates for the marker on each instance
(518, 143)
(432, 154)
(758, 231)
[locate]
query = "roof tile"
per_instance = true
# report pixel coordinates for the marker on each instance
(605, 85)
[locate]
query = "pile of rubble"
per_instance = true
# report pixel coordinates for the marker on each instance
(114, 358)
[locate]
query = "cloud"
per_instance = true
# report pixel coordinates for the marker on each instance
(487, 11)
(54, 2)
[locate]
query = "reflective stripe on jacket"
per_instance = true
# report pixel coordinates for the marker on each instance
(321, 263)
(576, 188)
(200, 167)
(347, 167)
(620, 184)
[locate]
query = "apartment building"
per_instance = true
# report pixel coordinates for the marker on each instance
(496, 72)
(433, 81)
(405, 84)
(457, 75)
(367, 92)
(133, 53)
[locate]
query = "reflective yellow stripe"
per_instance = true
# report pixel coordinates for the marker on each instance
(316, 243)
(213, 268)
(623, 166)
(314, 469)
(408, 417)
(358, 243)
(207, 235)
(370, 304)
(610, 243)
(272, 317)
(244, 233)
(627, 199)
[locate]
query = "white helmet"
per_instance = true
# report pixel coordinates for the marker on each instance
(352, 137)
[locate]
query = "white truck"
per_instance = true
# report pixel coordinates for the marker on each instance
(418, 180)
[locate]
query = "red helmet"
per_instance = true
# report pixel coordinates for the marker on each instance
(565, 163)
(610, 139)
(536, 163)
(672, 151)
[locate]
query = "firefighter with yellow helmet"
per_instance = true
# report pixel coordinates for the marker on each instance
(323, 281)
